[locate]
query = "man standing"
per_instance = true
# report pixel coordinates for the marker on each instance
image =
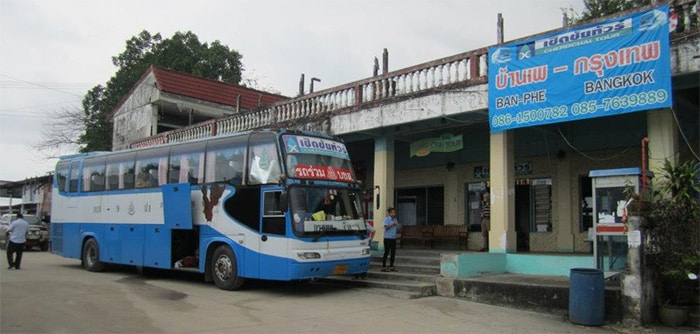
(485, 221)
(16, 237)
(391, 225)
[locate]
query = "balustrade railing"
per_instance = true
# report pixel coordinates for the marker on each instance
(464, 69)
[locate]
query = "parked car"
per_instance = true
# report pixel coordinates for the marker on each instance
(37, 235)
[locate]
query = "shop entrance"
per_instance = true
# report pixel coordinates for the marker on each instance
(522, 216)
(533, 210)
(420, 206)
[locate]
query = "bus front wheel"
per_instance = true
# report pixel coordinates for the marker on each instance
(91, 256)
(224, 269)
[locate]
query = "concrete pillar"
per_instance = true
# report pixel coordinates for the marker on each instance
(502, 237)
(565, 225)
(454, 187)
(384, 179)
(663, 138)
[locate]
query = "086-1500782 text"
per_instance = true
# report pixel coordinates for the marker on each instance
(581, 108)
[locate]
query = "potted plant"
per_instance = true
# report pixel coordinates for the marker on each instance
(673, 227)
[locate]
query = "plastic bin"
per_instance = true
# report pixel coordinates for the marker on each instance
(587, 296)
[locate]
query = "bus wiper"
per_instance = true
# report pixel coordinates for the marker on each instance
(320, 234)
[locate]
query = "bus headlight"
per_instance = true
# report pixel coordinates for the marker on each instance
(309, 255)
(365, 251)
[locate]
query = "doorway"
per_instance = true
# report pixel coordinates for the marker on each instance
(522, 215)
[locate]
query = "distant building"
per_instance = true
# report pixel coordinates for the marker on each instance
(31, 195)
(164, 100)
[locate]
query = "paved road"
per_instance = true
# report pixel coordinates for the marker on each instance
(54, 295)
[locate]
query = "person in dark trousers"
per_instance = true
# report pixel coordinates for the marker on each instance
(391, 226)
(16, 237)
(485, 220)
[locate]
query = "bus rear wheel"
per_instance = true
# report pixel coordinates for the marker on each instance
(224, 269)
(91, 256)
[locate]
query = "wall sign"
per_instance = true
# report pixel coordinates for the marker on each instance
(611, 67)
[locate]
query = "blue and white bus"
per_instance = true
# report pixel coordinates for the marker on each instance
(275, 205)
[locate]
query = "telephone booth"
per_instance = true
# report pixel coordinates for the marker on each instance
(609, 204)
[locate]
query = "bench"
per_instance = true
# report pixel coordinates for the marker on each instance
(416, 233)
(428, 234)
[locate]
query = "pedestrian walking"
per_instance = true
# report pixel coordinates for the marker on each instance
(16, 237)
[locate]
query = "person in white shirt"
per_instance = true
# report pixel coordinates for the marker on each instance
(17, 236)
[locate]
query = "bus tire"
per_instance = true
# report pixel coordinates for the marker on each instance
(224, 269)
(91, 256)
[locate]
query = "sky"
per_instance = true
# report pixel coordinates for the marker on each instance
(53, 51)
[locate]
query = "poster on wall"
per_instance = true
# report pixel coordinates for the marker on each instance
(611, 67)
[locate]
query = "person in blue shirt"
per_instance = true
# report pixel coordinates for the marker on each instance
(17, 236)
(391, 226)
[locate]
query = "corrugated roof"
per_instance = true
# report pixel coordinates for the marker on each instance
(204, 89)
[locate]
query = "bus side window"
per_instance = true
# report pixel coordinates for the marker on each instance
(74, 177)
(62, 176)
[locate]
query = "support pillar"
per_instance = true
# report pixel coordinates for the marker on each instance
(566, 225)
(663, 138)
(502, 237)
(383, 182)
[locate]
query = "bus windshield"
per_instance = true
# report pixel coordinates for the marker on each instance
(332, 210)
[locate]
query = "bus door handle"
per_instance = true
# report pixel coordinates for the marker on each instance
(263, 238)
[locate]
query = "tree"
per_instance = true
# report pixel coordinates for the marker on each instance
(183, 52)
(600, 8)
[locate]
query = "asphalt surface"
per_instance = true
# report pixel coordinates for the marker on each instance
(55, 295)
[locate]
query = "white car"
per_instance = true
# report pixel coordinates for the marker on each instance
(37, 235)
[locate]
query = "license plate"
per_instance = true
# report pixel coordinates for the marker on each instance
(340, 269)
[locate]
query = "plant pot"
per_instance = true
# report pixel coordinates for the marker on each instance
(673, 315)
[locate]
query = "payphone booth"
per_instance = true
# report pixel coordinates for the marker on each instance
(609, 203)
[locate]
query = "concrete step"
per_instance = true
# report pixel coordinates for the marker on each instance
(407, 288)
(433, 270)
(402, 275)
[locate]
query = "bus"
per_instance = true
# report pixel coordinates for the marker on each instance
(268, 204)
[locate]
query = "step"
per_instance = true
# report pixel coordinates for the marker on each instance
(415, 289)
(410, 268)
(402, 275)
(405, 259)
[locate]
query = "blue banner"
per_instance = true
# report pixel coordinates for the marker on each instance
(611, 67)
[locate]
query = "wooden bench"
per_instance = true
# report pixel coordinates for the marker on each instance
(415, 233)
(458, 233)
(431, 233)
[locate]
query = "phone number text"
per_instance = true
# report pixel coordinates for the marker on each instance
(585, 108)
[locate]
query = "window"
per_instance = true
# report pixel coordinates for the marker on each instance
(187, 164)
(74, 176)
(225, 160)
(263, 164)
(151, 168)
(120, 172)
(93, 174)
(62, 175)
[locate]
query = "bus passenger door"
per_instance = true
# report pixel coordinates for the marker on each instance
(166, 246)
(273, 242)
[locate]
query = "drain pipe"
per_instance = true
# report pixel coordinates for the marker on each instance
(645, 140)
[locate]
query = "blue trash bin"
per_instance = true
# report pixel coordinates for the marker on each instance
(587, 296)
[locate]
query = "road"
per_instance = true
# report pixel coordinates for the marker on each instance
(55, 295)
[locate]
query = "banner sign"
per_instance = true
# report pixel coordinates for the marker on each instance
(323, 173)
(611, 67)
(444, 143)
(313, 145)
